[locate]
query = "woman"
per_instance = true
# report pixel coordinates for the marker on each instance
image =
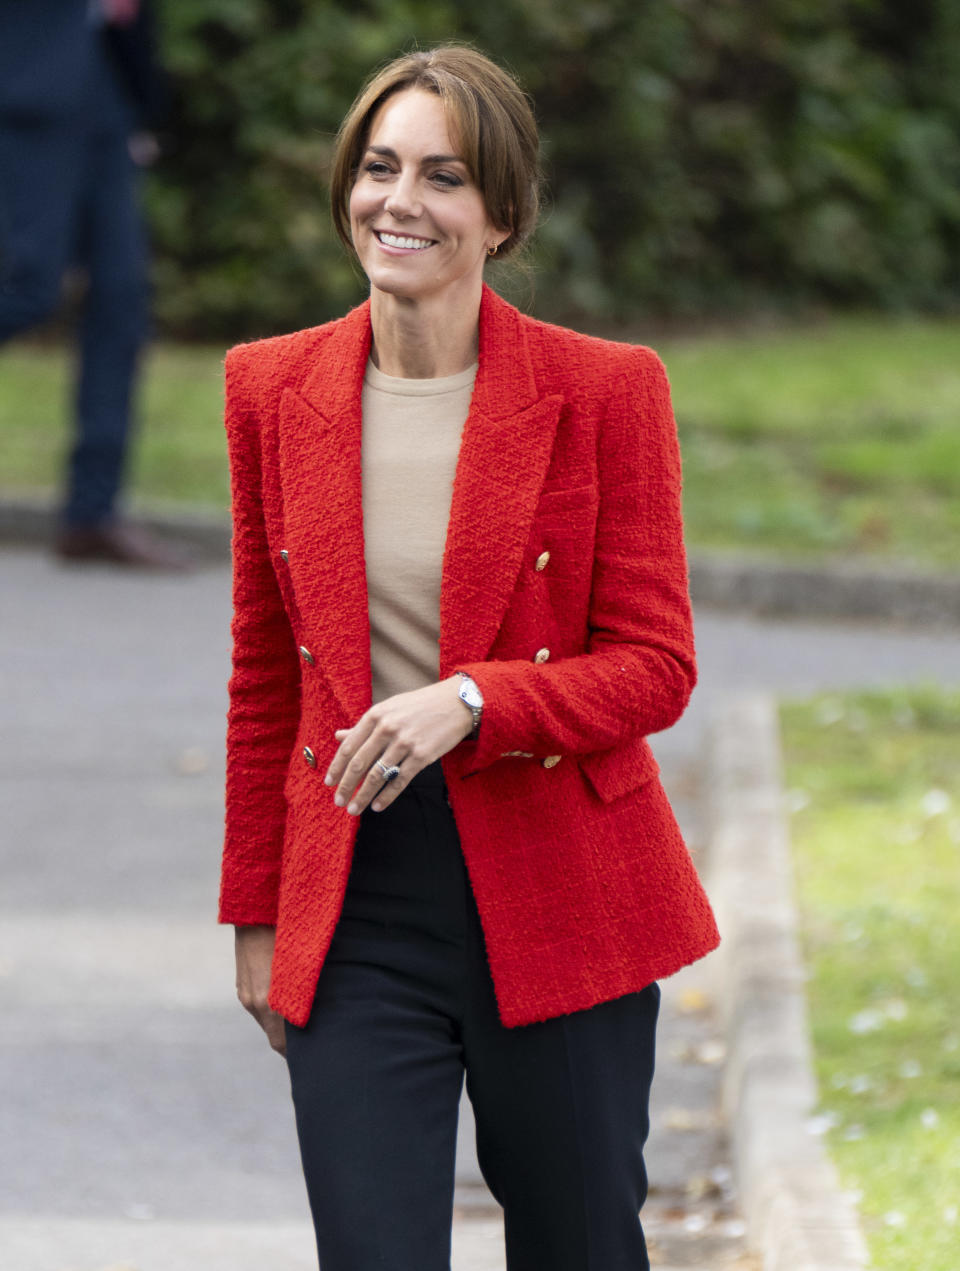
(460, 606)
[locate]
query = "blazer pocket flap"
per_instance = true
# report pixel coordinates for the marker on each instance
(616, 772)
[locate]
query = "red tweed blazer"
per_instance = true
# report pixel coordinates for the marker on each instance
(584, 886)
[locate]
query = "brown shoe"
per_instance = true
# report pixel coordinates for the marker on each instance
(118, 543)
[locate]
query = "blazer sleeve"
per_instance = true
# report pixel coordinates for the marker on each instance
(264, 685)
(639, 668)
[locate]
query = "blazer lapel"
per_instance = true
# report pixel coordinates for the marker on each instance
(504, 456)
(319, 450)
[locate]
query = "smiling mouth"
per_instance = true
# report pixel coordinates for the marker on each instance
(403, 240)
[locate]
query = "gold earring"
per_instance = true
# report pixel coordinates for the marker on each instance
(492, 251)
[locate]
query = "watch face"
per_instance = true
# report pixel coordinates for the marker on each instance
(470, 693)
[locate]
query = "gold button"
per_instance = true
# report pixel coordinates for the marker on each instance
(306, 655)
(551, 761)
(541, 655)
(310, 757)
(542, 560)
(284, 555)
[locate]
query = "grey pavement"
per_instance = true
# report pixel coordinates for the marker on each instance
(146, 1124)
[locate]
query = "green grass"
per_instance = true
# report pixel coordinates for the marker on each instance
(874, 781)
(838, 439)
(181, 452)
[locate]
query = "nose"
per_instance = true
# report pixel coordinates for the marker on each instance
(403, 200)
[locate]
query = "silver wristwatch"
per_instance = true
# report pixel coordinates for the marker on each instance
(471, 696)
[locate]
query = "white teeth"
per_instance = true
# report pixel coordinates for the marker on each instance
(394, 240)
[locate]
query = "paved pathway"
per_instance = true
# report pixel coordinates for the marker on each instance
(146, 1126)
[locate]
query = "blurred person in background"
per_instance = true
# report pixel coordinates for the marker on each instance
(79, 90)
(461, 604)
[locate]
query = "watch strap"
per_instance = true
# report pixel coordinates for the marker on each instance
(468, 683)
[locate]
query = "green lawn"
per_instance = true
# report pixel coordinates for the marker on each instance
(874, 781)
(181, 454)
(839, 439)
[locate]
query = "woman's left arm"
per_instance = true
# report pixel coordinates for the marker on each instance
(639, 669)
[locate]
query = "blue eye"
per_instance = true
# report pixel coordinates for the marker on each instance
(447, 178)
(376, 168)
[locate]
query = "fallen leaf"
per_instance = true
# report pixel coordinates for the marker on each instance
(687, 1119)
(693, 1000)
(693, 1224)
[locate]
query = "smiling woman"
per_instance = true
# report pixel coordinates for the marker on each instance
(418, 221)
(460, 607)
(491, 123)
(437, 168)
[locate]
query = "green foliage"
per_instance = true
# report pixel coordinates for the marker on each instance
(709, 156)
(876, 837)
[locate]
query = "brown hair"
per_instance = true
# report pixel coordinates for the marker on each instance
(492, 122)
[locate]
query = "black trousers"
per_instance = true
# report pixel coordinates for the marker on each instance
(404, 1006)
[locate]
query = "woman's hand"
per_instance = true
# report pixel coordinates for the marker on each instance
(407, 731)
(254, 952)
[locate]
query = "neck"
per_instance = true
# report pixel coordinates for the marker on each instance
(424, 339)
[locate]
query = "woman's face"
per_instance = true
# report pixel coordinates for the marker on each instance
(419, 224)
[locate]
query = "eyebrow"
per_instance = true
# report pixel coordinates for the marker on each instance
(390, 153)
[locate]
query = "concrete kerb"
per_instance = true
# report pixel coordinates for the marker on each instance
(32, 520)
(850, 590)
(887, 592)
(797, 1216)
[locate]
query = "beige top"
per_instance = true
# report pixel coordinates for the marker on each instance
(411, 440)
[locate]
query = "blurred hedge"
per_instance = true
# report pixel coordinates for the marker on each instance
(703, 156)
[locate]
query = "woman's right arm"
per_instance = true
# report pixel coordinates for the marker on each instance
(264, 686)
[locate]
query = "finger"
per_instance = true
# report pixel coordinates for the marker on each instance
(276, 1029)
(272, 1024)
(390, 792)
(378, 793)
(358, 770)
(351, 740)
(373, 783)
